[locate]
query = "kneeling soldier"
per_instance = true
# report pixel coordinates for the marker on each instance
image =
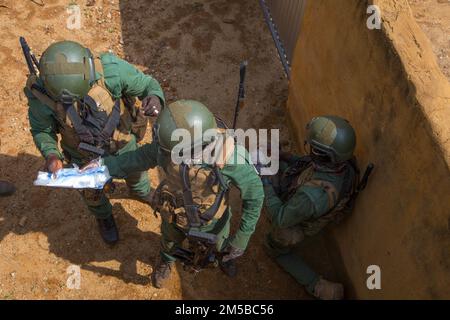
(309, 192)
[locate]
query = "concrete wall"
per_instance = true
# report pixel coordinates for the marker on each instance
(388, 84)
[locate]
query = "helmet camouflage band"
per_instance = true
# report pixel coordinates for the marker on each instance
(333, 136)
(183, 114)
(67, 68)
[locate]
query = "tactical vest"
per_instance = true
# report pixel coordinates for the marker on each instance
(122, 112)
(209, 194)
(206, 185)
(339, 201)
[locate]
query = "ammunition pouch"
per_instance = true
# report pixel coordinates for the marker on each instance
(174, 197)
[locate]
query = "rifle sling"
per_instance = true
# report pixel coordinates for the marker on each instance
(112, 123)
(82, 131)
(188, 202)
(209, 214)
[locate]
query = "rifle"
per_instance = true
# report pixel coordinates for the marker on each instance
(31, 60)
(363, 183)
(201, 253)
(241, 93)
(189, 206)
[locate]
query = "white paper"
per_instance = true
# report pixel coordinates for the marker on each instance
(94, 178)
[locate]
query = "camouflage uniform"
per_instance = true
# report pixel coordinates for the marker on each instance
(307, 194)
(295, 207)
(243, 176)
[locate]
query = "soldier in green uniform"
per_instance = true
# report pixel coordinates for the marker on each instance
(193, 198)
(90, 102)
(307, 193)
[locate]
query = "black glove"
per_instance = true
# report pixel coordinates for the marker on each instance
(232, 253)
(151, 106)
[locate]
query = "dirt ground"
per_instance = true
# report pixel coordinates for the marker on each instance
(194, 49)
(434, 18)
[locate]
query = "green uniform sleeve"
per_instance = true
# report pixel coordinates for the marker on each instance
(306, 203)
(43, 126)
(123, 78)
(245, 178)
(142, 159)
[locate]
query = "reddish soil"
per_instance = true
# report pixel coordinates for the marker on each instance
(194, 50)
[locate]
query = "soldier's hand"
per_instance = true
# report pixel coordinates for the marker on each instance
(53, 164)
(232, 254)
(91, 165)
(151, 106)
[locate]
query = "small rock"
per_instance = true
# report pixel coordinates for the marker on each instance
(197, 5)
(23, 221)
(228, 20)
(90, 3)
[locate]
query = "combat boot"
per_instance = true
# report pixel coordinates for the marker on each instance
(6, 188)
(229, 268)
(327, 290)
(108, 230)
(162, 273)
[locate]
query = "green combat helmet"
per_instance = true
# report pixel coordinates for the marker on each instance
(67, 68)
(183, 114)
(331, 136)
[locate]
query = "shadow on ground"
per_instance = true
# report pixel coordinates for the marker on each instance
(194, 49)
(72, 233)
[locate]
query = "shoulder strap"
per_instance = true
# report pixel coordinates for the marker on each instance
(112, 123)
(191, 209)
(40, 92)
(82, 131)
(209, 214)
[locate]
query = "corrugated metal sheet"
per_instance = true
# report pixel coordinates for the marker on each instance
(284, 19)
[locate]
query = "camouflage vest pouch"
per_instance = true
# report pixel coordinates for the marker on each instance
(205, 189)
